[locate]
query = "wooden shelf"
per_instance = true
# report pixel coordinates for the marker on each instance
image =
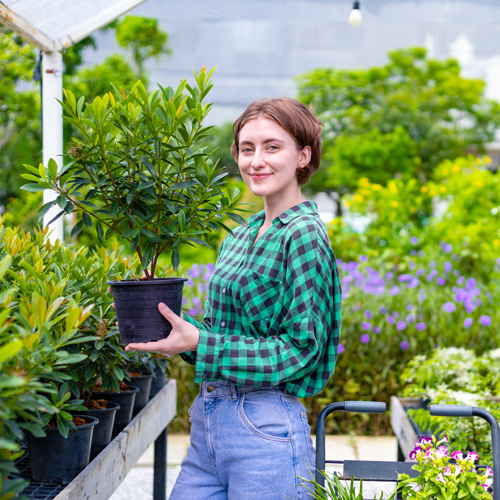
(103, 475)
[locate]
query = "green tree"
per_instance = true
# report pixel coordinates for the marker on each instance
(145, 39)
(398, 120)
(99, 79)
(20, 139)
(219, 142)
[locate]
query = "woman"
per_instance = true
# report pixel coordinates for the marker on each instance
(271, 326)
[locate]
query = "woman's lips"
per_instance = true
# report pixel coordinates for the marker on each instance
(259, 176)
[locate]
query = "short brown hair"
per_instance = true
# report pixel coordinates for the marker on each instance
(298, 120)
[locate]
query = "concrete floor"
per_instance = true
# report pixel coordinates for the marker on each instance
(139, 482)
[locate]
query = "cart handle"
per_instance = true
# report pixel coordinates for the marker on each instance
(472, 411)
(347, 406)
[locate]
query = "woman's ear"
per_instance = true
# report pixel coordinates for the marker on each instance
(305, 157)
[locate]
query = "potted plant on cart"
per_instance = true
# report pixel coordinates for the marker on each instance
(137, 172)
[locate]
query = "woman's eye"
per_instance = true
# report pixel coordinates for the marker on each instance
(246, 150)
(272, 147)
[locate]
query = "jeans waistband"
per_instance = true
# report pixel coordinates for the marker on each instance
(224, 388)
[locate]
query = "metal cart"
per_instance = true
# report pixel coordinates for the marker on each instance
(374, 471)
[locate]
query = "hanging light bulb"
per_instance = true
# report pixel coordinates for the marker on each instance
(355, 18)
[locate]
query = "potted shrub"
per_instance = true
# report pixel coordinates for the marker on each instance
(137, 172)
(39, 328)
(64, 451)
(99, 379)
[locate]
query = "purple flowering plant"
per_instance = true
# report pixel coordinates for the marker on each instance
(441, 479)
(196, 289)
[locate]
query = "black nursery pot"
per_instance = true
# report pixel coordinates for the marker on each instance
(126, 400)
(103, 430)
(142, 397)
(55, 459)
(136, 304)
(159, 381)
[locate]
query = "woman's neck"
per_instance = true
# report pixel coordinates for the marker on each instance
(275, 207)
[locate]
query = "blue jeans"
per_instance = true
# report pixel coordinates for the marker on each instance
(247, 443)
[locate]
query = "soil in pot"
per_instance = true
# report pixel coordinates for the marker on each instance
(126, 399)
(105, 411)
(55, 459)
(143, 381)
(136, 304)
(159, 380)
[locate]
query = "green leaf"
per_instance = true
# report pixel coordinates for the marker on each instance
(52, 168)
(175, 259)
(237, 218)
(4, 265)
(145, 185)
(87, 220)
(100, 231)
(182, 185)
(77, 228)
(182, 219)
(146, 232)
(150, 167)
(11, 349)
(113, 209)
(79, 106)
(56, 217)
(61, 201)
(199, 242)
(35, 187)
(11, 381)
(130, 196)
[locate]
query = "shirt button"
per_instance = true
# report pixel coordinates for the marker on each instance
(223, 323)
(224, 290)
(210, 388)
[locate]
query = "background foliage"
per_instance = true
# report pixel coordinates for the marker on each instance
(396, 144)
(403, 119)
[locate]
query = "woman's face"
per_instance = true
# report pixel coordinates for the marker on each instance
(268, 159)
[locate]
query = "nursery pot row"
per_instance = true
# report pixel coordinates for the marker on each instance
(58, 460)
(136, 304)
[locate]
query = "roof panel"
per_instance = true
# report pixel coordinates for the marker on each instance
(68, 21)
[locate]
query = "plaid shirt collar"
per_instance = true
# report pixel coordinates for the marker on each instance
(304, 208)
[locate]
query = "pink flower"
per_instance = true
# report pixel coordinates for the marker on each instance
(458, 470)
(457, 455)
(447, 471)
(440, 477)
(472, 456)
(485, 486)
(489, 472)
(441, 452)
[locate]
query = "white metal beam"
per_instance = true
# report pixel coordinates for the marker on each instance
(52, 80)
(31, 34)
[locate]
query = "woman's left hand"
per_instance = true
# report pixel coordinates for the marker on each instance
(184, 336)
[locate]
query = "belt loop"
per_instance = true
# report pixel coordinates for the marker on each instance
(234, 394)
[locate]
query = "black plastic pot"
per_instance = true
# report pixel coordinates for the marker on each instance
(103, 430)
(159, 380)
(136, 304)
(126, 400)
(142, 397)
(58, 460)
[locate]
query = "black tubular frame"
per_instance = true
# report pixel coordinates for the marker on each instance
(346, 406)
(472, 411)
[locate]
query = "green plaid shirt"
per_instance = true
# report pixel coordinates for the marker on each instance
(273, 312)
